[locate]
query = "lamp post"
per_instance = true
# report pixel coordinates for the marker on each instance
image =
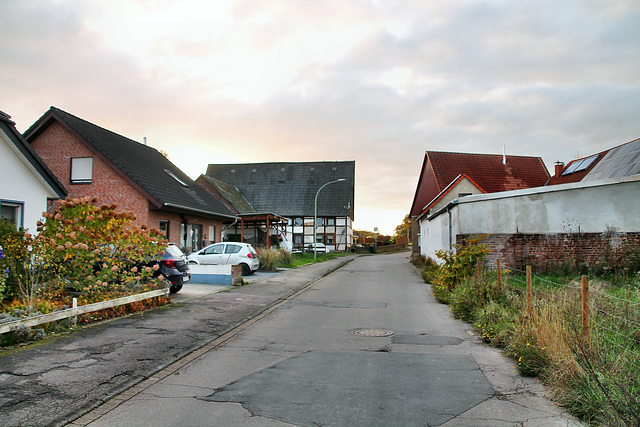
(315, 216)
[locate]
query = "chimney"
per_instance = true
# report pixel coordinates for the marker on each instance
(504, 154)
(559, 169)
(145, 140)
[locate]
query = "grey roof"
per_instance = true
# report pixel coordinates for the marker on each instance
(156, 177)
(618, 162)
(9, 128)
(289, 188)
(231, 194)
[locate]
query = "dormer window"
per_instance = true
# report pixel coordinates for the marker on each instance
(172, 175)
(81, 170)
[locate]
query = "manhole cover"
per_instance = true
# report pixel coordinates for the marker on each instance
(363, 332)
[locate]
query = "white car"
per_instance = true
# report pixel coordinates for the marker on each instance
(235, 253)
(319, 249)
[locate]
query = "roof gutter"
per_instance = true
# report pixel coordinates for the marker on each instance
(172, 205)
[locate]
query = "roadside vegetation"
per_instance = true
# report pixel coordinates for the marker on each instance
(594, 371)
(83, 251)
(272, 259)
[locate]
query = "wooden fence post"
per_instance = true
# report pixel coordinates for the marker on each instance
(585, 306)
(499, 275)
(529, 291)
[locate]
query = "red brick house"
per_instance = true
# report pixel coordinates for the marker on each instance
(92, 161)
(446, 176)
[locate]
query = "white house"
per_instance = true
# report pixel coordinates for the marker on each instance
(26, 183)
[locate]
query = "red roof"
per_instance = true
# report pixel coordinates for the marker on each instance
(440, 168)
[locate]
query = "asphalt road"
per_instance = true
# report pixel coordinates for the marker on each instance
(55, 381)
(365, 346)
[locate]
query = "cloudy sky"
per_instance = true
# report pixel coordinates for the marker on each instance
(378, 82)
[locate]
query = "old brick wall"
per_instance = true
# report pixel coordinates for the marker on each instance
(56, 146)
(544, 251)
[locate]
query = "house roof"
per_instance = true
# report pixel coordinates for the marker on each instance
(8, 127)
(230, 194)
(617, 162)
(486, 171)
(452, 185)
(154, 176)
(289, 188)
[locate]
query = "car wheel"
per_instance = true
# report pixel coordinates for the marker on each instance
(246, 270)
(192, 263)
(174, 289)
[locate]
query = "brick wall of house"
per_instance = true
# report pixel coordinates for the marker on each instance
(543, 251)
(56, 146)
(174, 223)
(175, 220)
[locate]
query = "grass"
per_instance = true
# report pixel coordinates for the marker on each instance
(305, 258)
(272, 259)
(595, 374)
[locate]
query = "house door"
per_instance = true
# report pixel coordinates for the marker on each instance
(196, 237)
(191, 237)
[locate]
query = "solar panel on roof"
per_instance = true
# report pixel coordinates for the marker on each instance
(586, 163)
(572, 167)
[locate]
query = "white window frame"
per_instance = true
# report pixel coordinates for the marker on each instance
(81, 170)
(18, 218)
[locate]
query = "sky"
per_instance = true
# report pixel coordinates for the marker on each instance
(378, 82)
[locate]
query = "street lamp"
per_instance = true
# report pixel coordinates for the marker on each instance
(315, 216)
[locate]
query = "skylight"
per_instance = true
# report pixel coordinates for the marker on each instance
(172, 175)
(586, 163)
(572, 167)
(580, 165)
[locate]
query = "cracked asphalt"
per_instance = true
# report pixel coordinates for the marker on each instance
(299, 347)
(54, 381)
(325, 356)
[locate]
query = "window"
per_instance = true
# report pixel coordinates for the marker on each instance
(331, 221)
(586, 163)
(330, 239)
(212, 234)
(214, 250)
(81, 170)
(232, 249)
(319, 222)
(164, 226)
(174, 176)
(11, 211)
(297, 221)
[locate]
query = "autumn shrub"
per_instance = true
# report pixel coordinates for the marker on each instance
(96, 250)
(460, 262)
(15, 255)
(429, 270)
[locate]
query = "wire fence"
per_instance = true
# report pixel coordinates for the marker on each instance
(609, 318)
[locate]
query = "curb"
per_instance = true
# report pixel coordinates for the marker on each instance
(129, 390)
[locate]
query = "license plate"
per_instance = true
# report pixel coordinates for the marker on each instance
(185, 279)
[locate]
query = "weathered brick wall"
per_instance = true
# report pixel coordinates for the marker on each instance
(56, 146)
(543, 251)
